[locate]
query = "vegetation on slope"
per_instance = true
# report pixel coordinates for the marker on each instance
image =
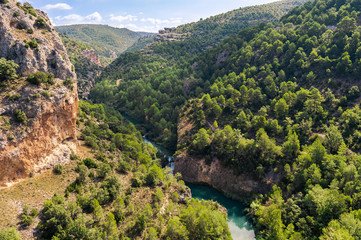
(123, 192)
(107, 41)
(87, 69)
(152, 85)
(282, 97)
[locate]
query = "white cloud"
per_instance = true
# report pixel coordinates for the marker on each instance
(58, 6)
(94, 17)
(78, 19)
(120, 18)
(155, 20)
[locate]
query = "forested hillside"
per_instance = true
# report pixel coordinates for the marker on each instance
(86, 62)
(280, 96)
(288, 99)
(152, 85)
(122, 192)
(107, 41)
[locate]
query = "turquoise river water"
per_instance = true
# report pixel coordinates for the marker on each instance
(239, 224)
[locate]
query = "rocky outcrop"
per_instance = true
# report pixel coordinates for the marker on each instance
(92, 56)
(196, 170)
(16, 26)
(48, 136)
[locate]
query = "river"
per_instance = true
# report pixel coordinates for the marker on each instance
(239, 224)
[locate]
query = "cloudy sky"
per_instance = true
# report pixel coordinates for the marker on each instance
(137, 15)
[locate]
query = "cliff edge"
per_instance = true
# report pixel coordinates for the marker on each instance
(199, 168)
(37, 118)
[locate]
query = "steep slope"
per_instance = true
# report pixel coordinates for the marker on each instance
(108, 42)
(206, 32)
(86, 62)
(37, 119)
(284, 103)
(153, 84)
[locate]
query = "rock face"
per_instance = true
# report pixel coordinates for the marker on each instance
(195, 170)
(48, 136)
(92, 56)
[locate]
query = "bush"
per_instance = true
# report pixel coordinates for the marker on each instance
(40, 22)
(20, 26)
(20, 116)
(29, 9)
(12, 233)
(13, 97)
(7, 70)
(3, 1)
(41, 77)
(91, 142)
(103, 170)
(16, 14)
(34, 212)
(73, 156)
(90, 163)
(58, 169)
(33, 44)
(158, 196)
(68, 83)
(124, 167)
(155, 176)
(30, 31)
(26, 219)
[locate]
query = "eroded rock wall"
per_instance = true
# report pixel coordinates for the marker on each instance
(48, 136)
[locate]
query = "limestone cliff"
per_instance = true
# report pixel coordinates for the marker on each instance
(195, 170)
(28, 38)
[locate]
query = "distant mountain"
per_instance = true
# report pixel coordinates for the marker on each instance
(108, 42)
(206, 32)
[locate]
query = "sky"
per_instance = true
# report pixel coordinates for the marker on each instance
(137, 15)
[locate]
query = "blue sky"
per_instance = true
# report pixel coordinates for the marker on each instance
(137, 15)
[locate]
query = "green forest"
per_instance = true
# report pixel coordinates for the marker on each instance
(277, 96)
(153, 84)
(123, 194)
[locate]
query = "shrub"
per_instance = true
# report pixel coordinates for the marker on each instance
(29, 9)
(155, 176)
(41, 77)
(124, 167)
(58, 169)
(33, 44)
(68, 83)
(40, 22)
(30, 31)
(16, 14)
(46, 94)
(73, 156)
(158, 196)
(7, 70)
(3, 1)
(12, 233)
(90, 163)
(27, 219)
(13, 97)
(103, 170)
(20, 116)
(91, 142)
(34, 212)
